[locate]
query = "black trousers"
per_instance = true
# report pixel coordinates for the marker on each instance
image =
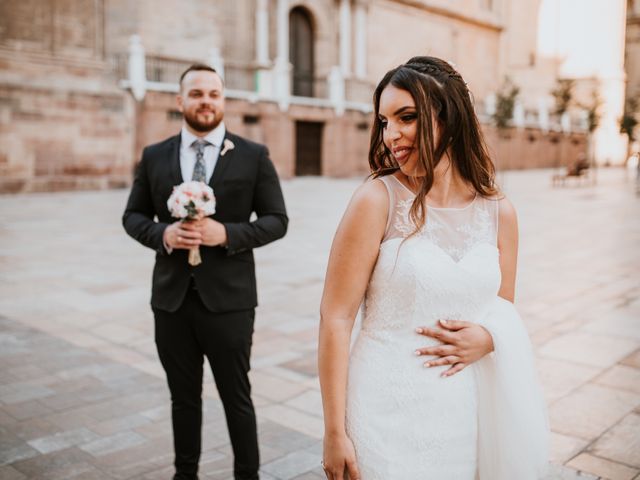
(183, 339)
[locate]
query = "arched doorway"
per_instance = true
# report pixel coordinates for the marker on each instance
(301, 51)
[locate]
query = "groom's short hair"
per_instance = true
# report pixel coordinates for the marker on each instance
(199, 67)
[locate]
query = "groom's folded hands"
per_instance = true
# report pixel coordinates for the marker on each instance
(212, 232)
(178, 236)
(187, 235)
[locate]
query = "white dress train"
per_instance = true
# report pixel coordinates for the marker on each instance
(487, 422)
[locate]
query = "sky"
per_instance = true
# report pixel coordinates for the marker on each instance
(587, 34)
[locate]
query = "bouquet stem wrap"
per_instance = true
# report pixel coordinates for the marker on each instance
(194, 256)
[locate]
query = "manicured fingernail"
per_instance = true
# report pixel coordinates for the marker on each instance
(418, 330)
(417, 352)
(427, 365)
(443, 322)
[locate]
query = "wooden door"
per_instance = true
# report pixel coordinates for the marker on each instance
(308, 148)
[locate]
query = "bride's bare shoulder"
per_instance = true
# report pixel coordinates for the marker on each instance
(506, 211)
(371, 195)
(368, 207)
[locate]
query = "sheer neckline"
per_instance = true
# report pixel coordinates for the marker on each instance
(475, 197)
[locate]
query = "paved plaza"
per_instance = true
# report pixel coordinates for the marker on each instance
(83, 395)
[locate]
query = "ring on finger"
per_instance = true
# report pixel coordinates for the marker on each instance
(446, 360)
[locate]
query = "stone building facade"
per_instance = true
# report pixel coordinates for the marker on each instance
(632, 48)
(85, 84)
(632, 58)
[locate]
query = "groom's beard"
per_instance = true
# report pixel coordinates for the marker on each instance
(202, 125)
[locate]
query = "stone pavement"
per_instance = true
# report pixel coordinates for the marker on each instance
(83, 396)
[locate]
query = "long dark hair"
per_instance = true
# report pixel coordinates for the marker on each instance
(439, 93)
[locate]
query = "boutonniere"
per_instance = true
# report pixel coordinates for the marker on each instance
(226, 146)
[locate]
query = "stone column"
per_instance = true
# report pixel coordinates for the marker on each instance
(345, 37)
(136, 68)
(518, 115)
(543, 114)
(262, 33)
(216, 61)
(282, 67)
(565, 122)
(490, 104)
(361, 40)
(336, 90)
(264, 75)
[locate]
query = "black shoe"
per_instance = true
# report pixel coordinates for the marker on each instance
(185, 476)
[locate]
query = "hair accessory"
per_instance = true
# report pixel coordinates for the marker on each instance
(436, 72)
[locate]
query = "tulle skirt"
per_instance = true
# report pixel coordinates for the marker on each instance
(513, 430)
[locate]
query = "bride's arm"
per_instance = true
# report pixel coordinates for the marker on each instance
(508, 247)
(353, 256)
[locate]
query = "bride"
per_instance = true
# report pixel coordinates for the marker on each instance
(440, 383)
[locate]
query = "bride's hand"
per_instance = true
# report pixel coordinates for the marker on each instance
(462, 344)
(339, 457)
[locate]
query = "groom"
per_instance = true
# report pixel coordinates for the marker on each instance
(206, 310)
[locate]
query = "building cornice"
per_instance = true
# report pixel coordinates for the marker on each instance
(427, 6)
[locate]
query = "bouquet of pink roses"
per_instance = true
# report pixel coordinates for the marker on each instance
(192, 201)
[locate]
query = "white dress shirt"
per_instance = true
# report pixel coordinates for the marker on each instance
(211, 152)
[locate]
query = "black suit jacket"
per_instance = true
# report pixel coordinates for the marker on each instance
(244, 181)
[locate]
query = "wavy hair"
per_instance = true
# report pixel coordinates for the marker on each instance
(441, 97)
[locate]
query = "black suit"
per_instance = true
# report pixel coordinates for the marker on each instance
(208, 309)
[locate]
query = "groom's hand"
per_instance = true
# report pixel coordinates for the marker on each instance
(178, 235)
(462, 344)
(213, 232)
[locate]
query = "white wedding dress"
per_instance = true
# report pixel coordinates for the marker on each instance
(407, 422)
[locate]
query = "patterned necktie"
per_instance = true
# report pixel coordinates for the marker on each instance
(199, 171)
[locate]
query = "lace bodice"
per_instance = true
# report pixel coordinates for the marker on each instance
(447, 270)
(454, 230)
